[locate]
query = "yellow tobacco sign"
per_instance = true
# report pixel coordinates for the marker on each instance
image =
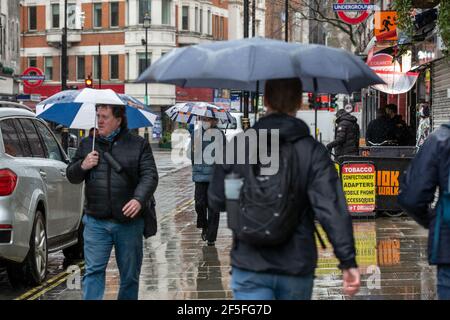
(358, 182)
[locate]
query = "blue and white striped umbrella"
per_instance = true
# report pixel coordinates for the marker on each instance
(76, 108)
(188, 112)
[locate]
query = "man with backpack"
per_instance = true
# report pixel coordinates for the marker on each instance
(274, 252)
(430, 169)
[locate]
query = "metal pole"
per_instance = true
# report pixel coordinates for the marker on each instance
(99, 66)
(253, 18)
(286, 20)
(146, 63)
(245, 120)
(146, 136)
(64, 51)
(315, 106)
(257, 100)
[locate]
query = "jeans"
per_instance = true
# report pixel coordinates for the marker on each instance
(99, 238)
(248, 285)
(206, 218)
(443, 282)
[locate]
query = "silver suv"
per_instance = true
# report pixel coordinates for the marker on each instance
(40, 210)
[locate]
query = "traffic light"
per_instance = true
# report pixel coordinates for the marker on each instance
(333, 101)
(88, 82)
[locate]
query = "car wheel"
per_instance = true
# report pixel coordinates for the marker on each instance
(76, 252)
(34, 269)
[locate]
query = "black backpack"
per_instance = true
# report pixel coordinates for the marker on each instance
(268, 211)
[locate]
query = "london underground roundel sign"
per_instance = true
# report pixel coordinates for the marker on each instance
(32, 77)
(361, 8)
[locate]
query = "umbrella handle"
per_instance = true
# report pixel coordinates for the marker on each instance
(95, 129)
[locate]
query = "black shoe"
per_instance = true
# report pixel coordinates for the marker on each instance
(204, 230)
(211, 243)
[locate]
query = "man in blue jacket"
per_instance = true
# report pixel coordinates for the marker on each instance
(430, 170)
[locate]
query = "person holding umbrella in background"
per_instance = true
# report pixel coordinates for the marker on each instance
(201, 118)
(207, 219)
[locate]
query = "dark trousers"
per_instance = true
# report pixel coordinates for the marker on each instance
(206, 218)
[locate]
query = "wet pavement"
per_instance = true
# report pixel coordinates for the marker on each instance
(178, 264)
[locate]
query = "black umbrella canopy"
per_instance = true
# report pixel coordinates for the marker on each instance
(239, 64)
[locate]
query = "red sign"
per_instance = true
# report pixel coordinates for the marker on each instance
(363, 15)
(32, 74)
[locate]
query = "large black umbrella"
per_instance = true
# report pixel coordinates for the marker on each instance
(241, 64)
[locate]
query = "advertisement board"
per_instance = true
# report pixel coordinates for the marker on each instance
(358, 182)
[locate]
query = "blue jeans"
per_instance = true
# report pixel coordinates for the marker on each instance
(99, 238)
(443, 282)
(248, 285)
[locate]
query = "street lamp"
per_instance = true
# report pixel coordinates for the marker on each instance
(147, 22)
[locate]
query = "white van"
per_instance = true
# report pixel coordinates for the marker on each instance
(325, 123)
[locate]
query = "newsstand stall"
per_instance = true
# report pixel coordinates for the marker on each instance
(371, 180)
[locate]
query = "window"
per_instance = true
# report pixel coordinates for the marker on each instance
(166, 11)
(23, 139)
(145, 6)
(201, 20)
(185, 18)
(114, 66)
(97, 15)
(55, 15)
(209, 21)
(196, 19)
(114, 14)
(96, 67)
(33, 138)
(141, 62)
(48, 64)
(32, 18)
(81, 68)
(53, 150)
(222, 28)
(32, 62)
(11, 140)
(71, 16)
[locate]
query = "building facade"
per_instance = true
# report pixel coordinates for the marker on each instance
(107, 41)
(9, 49)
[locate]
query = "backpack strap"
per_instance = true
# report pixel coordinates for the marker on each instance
(307, 209)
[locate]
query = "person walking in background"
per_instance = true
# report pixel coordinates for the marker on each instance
(115, 201)
(428, 171)
(285, 270)
(207, 218)
(346, 137)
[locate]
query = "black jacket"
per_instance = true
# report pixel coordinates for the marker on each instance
(323, 199)
(399, 131)
(429, 170)
(379, 130)
(107, 191)
(346, 140)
